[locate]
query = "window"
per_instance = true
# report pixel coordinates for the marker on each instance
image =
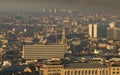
(75, 72)
(113, 68)
(65, 72)
(92, 71)
(107, 72)
(86, 72)
(96, 72)
(113, 72)
(103, 71)
(89, 72)
(82, 72)
(68, 72)
(71, 72)
(117, 72)
(78, 72)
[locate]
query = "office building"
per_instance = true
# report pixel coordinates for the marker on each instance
(43, 51)
(45, 10)
(102, 31)
(113, 33)
(90, 30)
(93, 31)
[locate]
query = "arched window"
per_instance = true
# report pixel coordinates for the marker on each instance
(65, 72)
(103, 72)
(71, 72)
(100, 72)
(75, 73)
(89, 72)
(107, 73)
(68, 72)
(92, 71)
(85, 71)
(82, 71)
(95, 72)
(78, 72)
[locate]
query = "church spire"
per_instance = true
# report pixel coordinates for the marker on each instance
(63, 36)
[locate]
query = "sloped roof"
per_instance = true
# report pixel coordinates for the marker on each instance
(84, 65)
(15, 68)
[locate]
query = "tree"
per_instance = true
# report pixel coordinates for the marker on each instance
(35, 40)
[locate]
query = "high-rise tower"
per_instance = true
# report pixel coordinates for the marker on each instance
(113, 32)
(102, 31)
(93, 31)
(44, 10)
(90, 30)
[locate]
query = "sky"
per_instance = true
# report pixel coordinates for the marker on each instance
(62, 4)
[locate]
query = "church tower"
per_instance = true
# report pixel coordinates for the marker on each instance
(63, 41)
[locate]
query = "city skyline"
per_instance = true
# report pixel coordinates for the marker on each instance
(62, 4)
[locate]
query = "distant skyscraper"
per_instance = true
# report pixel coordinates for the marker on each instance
(93, 31)
(113, 33)
(55, 10)
(51, 10)
(102, 31)
(90, 30)
(44, 10)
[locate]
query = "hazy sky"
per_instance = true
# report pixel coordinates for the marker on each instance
(66, 4)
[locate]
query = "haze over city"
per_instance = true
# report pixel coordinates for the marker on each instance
(59, 37)
(62, 4)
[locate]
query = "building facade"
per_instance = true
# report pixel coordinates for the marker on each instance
(79, 69)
